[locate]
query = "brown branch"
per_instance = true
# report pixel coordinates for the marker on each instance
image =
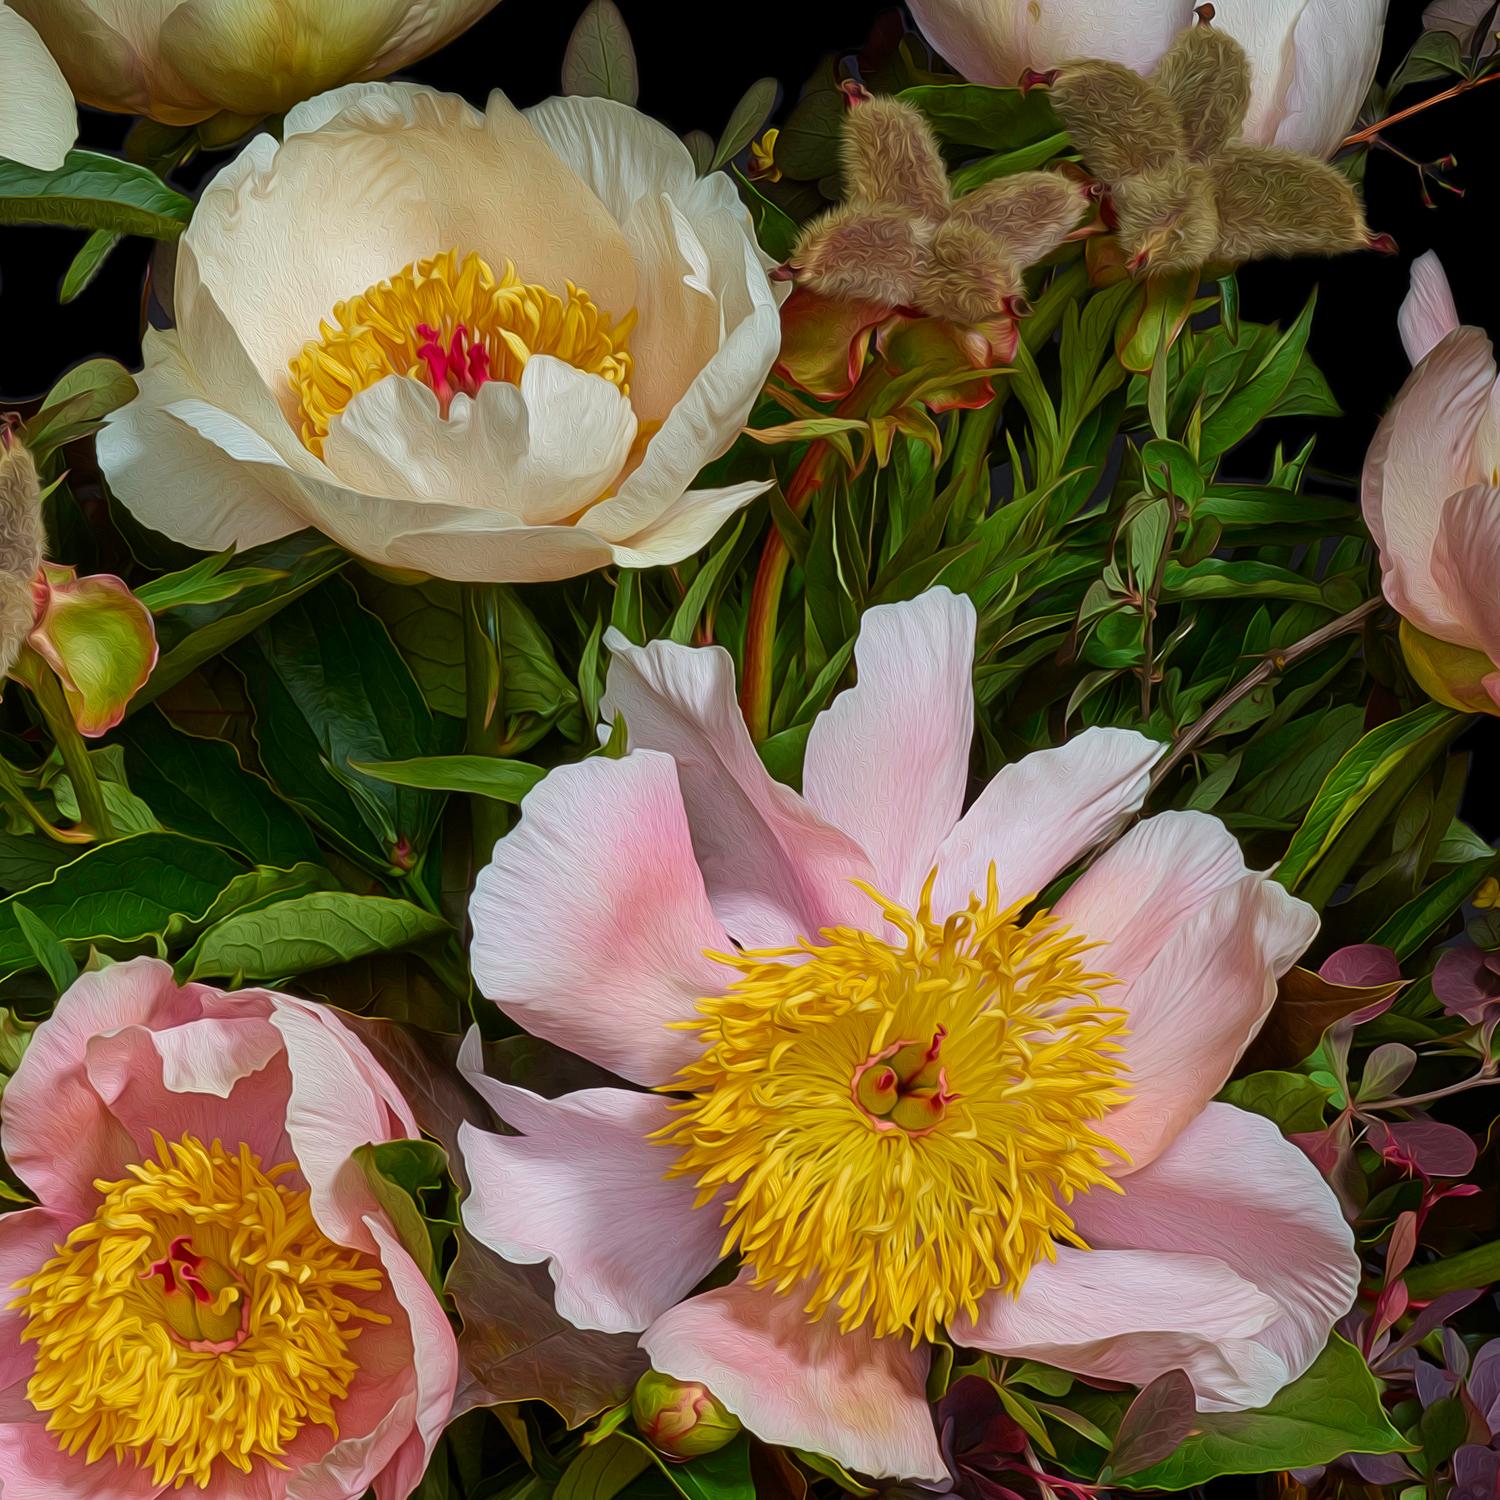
(1371, 131)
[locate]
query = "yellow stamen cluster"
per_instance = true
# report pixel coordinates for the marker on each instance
(385, 330)
(113, 1325)
(990, 1031)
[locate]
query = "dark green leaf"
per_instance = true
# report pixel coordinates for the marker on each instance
(1292, 1100)
(45, 947)
(752, 112)
(87, 264)
(600, 59)
(482, 775)
(90, 191)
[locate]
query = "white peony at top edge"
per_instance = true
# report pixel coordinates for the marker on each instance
(544, 476)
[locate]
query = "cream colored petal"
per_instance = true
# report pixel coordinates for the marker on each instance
(374, 177)
(175, 480)
(994, 41)
(534, 453)
(701, 427)
(257, 59)
(38, 123)
(427, 25)
(685, 527)
(687, 235)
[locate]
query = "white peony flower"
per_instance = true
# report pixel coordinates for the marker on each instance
(38, 123)
(488, 346)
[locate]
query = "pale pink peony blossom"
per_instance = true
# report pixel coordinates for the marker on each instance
(1311, 60)
(1431, 495)
(841, 1125)
(251, 1323)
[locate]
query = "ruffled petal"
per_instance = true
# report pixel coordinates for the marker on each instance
(583, 1188)
(1039, 814)
(858, 1399)
(1466, 564)
(591, 922)
(773, 869)
(1194, 1008)
(888, 761)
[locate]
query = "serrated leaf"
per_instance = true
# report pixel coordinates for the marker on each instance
(310, 932)
(92, 191)
(600, 58)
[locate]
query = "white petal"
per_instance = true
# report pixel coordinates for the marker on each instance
(1429, 314)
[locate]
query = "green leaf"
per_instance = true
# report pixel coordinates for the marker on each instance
(90, 191)
(1406, 930)
(481, 775)
(1215, 578)
(685, 618)
(122, 892)
(602, 1471)
(600, 58)
(205, 582)
(27, 859)
(1237, 417)
(831, 1469)
(398, 1173)
(427, 627)
(1292, 1100)
(721, 1475)
(46, 948)
(1477, 1267)
(972, 114)
(1374, 761)
(87, 264)
(198, 787)
(753, 110)
(330, 689)
(310, 932)
(776, 231)
(78, 403)
(1334, 1408)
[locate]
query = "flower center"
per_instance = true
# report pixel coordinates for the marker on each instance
(201, 1314)
(896, 1126)
(451, 324)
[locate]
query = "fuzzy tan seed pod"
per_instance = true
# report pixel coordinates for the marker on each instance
(857, 255)
(1276, 203)
(1167, 218)
(22, 538)
(891, 159)
(1033, 212)
(1119, 121)
(1206, 76)
(969, 275)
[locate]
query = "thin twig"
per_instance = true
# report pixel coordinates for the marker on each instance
(1371, 131)
(1272, 665)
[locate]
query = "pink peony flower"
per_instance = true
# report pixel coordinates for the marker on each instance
(1432, 499)
(902, 1100)
(208, 1295)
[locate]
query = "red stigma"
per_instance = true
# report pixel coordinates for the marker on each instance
(460, 367)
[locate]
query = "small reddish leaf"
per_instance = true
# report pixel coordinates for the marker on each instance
(1155, 1425)
(1361, 964)
(1427, 1147)
(1306, 1006)
(824, 342)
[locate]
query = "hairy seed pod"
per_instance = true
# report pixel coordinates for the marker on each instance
(1120, 122)
(856, 255)
(969, 276)
(1033, 212)
(22, 538)
(1167, 217)
(891, 159)
(1276, 202)
(1206, 76)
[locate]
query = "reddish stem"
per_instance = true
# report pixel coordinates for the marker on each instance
(1371, 131)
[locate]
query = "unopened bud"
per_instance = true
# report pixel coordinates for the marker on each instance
(681, 1417)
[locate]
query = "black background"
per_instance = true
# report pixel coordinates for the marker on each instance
(696, 60)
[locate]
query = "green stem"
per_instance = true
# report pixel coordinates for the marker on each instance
(484, 654)
(48, 693)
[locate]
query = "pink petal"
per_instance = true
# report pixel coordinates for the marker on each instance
(889, 760)
(1423, 452)
(1429, 313)
(1195, 1007)
(1132, 1315)
(1040, 813)
(28, 1240)
(773, 869)
(35, 1468)
(1233, 1188)
(1466, 564)
(857, 1399)
(57, 1134)
(591, 922)
(1142, 889)
(584, 1189)
(341, 1099)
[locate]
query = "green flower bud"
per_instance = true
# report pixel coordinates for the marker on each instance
(681, 1417)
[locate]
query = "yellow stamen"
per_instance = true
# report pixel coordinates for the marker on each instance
(897, 1126)
(451, 324)
(201, 1316)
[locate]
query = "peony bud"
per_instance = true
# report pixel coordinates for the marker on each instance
(681, 1417)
